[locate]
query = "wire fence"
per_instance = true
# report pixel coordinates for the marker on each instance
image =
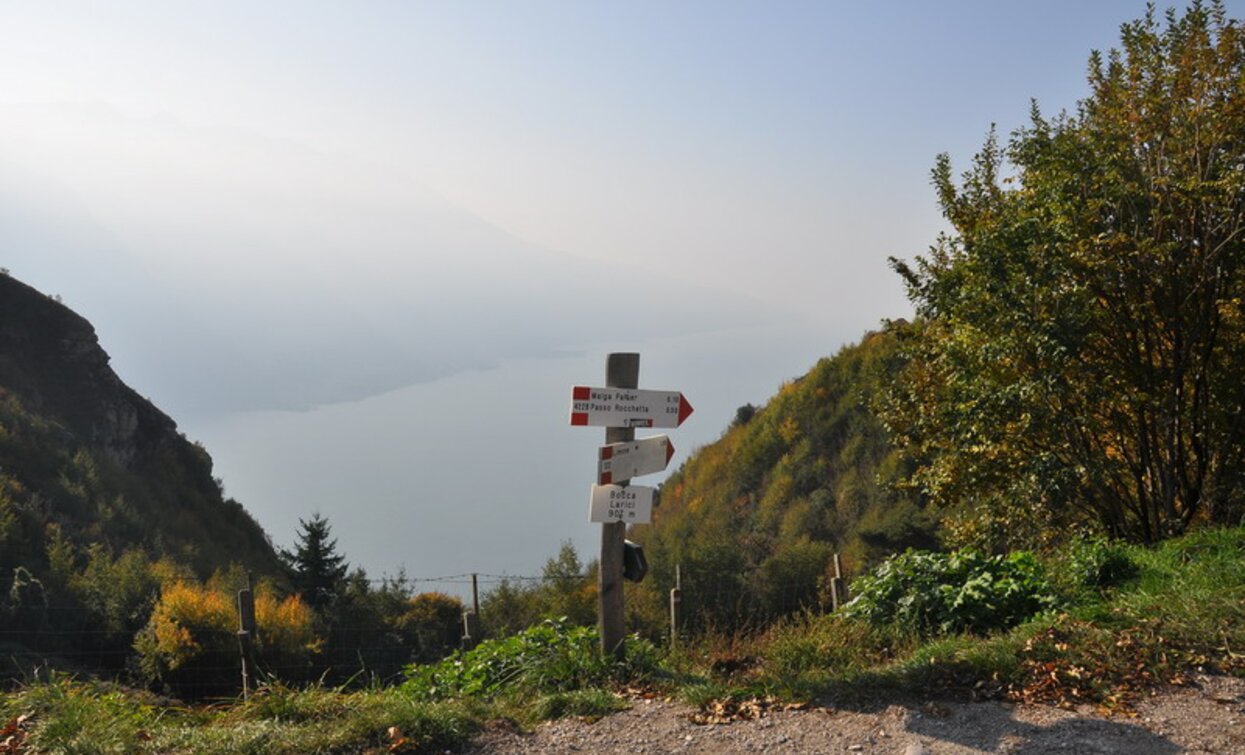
(480, 577)
(353, 651)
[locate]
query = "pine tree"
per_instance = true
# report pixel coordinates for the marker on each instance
(318, 569)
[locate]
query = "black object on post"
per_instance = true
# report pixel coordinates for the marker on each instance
(635, 566)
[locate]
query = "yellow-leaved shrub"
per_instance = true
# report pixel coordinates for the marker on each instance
(191, 641)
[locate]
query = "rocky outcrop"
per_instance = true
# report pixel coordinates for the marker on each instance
(50, 357)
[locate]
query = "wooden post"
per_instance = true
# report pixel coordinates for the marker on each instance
(621, 371)
(472, 633)
(838, 593)
(471, 629)
(475, 593)
(246, 636)
(676, 605)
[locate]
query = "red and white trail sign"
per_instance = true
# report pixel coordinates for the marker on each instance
(627, 407)
(622, 461)
(631, 504)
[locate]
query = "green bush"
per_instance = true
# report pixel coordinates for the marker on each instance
(549, 658)
(1099, 564)
(945, 593)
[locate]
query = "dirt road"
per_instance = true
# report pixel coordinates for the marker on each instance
(1206, 717)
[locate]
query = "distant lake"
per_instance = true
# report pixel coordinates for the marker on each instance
(481, 472)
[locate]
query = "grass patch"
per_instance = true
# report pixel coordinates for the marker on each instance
(1129, 618)
(68, 716)
(325, 720)
(585, 703)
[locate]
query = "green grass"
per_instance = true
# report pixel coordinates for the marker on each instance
(584, 703)
(85, 717)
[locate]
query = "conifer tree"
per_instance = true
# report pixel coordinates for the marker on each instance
(318, 570)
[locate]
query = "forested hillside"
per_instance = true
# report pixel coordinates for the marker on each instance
(754, 518)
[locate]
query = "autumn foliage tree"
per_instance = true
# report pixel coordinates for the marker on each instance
(1080, 341)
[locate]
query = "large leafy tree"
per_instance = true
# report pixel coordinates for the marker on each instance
(1079, 354)
(318, 570)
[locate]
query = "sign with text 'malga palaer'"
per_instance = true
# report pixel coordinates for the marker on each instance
(627, 407)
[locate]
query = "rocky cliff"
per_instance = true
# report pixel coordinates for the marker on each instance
(81, 450)
(51, 359)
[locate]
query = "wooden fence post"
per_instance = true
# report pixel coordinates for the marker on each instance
(676, 605)
(472, 630)
(475, 593)
(246, 636)
(838, 590)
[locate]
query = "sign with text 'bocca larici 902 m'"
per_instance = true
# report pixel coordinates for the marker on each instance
(630, 504)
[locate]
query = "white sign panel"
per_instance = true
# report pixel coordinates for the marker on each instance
(632, 504)
(627, 407)
(622, 461)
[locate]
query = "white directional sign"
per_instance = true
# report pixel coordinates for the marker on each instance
(627, 407)
(632, 504)
(622, 461)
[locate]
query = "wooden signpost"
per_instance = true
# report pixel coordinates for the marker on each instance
(620, 407)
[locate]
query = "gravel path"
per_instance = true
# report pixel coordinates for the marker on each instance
(1208, 717)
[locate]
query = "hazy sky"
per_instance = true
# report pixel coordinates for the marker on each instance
(732, 142)
(284, 218)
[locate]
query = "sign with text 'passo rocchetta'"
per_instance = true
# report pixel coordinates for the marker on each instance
(630, 504)
(627, 407)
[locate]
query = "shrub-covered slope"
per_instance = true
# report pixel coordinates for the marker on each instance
(754, 518)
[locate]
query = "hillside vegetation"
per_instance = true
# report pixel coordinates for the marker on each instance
(753, 519)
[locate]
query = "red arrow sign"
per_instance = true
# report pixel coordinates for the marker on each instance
(628, 407)
(622, 461)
